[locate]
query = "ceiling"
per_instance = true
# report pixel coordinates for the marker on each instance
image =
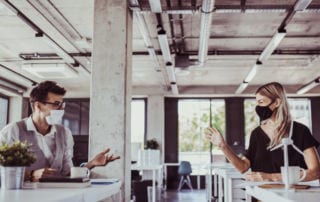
(238, 33)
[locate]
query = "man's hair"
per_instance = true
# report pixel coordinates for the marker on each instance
(40, 92)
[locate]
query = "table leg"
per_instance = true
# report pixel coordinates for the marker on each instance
(220, 188)
(153, 186)
(215, 185)
(229, 188)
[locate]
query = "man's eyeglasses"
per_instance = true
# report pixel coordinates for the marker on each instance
(56, 104)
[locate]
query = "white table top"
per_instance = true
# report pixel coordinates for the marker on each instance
(145, 167)
(280, 195)
(88, 194)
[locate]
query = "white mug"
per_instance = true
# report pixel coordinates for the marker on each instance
(79, 172)
(293, 174)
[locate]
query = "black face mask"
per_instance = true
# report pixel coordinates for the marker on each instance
(264, 112)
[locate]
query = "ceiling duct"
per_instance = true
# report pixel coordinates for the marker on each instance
(182, 61)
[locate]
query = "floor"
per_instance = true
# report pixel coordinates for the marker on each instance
(184, 196)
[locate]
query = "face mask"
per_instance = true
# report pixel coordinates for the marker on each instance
(55, 117)
(264, 112)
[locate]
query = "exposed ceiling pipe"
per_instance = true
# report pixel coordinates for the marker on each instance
(172, 28)
(165, 49)
(155, 6)
(274, 42)
(142, 25)
(40, 33)
(232, 9)
(164, 44)
(55, 18)
(205, 27)
(308, 86)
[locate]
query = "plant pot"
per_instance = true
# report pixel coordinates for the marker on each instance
(149, 157)
(12, 177)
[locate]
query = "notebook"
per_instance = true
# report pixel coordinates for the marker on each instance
(63, 182)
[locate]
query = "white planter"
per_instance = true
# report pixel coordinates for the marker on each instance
(12, 177)
(149, 157)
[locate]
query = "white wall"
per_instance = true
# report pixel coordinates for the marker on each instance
(15, 108)
(155, 120)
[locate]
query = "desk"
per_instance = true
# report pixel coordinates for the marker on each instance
(152, 168)
(88, 194)
(231, 178)
(280, 195)
(211, 171)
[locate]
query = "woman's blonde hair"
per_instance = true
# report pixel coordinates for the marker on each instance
(283, 119)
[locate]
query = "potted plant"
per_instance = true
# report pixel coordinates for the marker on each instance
(13, 160)
(151, 153)
(151, 144)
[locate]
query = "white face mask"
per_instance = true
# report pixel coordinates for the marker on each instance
(55, 117)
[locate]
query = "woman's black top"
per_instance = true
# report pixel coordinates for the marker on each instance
(264, 160)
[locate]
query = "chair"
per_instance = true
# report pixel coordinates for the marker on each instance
(184, 171)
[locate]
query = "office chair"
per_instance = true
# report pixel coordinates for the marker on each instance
(184, 171)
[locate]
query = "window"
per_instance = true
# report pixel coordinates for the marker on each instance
(299, 109)
(76, 116)
(194, 116)
(138, 126)
(138, 121)
(4, 104)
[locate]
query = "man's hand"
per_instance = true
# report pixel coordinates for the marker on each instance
(102, 159)
(43, 172)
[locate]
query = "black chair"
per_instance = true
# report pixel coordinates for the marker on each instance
(184, 171)
(139, 187)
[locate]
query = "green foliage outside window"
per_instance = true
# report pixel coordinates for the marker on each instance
(192, 126)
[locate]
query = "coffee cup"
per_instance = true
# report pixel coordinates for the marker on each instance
(79, 172)
(293, 174)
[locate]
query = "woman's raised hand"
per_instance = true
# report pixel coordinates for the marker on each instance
(215, 137)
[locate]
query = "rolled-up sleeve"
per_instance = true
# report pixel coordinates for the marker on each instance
(9, 134)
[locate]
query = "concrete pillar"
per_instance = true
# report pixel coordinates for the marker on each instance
(155, 122)
(15, 108)
(111, 89)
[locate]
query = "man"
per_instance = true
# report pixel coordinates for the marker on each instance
(51, 142)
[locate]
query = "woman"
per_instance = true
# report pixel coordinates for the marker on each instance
(275, 120)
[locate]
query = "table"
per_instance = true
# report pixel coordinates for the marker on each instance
(154, 169)
(87, 194)
(231, 178)
(281, 195)
(211, 171)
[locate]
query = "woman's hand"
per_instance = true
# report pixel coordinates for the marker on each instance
(215, 137)
(102, 159)
(260, 176)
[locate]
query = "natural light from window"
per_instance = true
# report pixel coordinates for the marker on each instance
(194, 117)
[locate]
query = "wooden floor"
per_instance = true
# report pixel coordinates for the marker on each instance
(184, 196)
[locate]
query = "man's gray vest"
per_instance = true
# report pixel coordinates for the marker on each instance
(42, 162)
